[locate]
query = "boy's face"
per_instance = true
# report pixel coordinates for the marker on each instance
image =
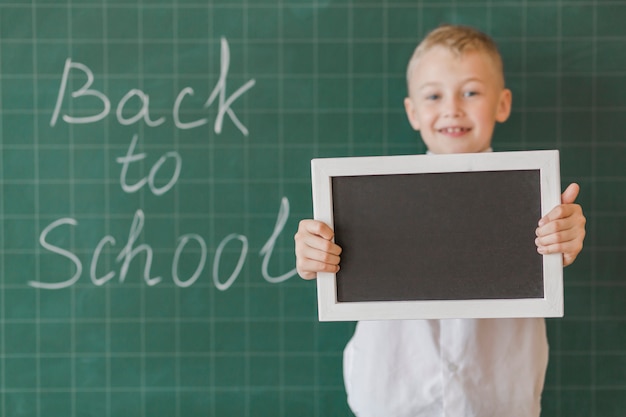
(456, 100)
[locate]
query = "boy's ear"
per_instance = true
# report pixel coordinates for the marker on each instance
(504, 105)
(409, 107)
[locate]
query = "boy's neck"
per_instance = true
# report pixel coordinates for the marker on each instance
(428, 152)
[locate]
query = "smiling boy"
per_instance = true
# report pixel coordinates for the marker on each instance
(456, 94)
(459, 367)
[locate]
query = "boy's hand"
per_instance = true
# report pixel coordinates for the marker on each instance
(315, 252)
(562, 230)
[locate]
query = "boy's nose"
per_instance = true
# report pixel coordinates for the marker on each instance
(453, 108)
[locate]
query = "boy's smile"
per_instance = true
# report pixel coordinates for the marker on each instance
(455, 100)
(454, 131)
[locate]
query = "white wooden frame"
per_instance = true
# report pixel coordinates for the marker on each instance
(547, 162)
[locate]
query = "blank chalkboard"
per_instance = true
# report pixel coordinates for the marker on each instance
(329, 80)
(443, 236)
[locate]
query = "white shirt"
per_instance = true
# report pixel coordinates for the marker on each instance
(451, 368)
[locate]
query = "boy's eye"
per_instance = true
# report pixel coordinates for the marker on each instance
(470, 93)
(432, 97)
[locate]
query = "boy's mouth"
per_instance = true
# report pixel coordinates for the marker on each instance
(454, 130)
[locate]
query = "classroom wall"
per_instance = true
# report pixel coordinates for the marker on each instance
(155, 163)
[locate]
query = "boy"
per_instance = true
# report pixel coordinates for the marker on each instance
(462, 367)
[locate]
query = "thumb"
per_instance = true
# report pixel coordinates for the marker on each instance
(570, 194)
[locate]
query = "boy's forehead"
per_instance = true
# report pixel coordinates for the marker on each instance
(434, 62)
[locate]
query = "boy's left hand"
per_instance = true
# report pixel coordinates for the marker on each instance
(562, 230)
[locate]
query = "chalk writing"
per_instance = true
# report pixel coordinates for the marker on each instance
(220, 91)
(172, 161)
(218, 94)
(131, 157)
(131, 249)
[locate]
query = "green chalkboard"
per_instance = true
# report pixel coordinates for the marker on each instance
(155, 163)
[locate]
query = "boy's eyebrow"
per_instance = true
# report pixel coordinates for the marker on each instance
(476, 79)
(438, 83)
(428, 84)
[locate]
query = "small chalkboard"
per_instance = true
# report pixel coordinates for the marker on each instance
(439, 236)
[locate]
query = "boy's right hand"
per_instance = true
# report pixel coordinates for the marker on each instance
(315, 250)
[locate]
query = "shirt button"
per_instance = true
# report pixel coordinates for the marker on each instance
(452, 367)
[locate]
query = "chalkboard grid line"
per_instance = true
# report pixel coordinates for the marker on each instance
(106, 146)
(177, 370)
(386, 74)
(247, 205)
(281, 142)
(212, 220)
(421, 29)
(37, 209)
(155, 320)
(606, 214)
(312, 4)
(385, 52)
(303, 319)
(156, 250)
(226, 4)
(316, 107)
(198, 355)
(331, 110)
(233, 42)
(166, 389)
(108, 295)
(260, 283)
(594, 153)
(72, 207)
(559, 78)
(524, 75)
(607, 178)
(558, 119)
(141, 133)
(116, 182)
(3, 384)
(350, 72)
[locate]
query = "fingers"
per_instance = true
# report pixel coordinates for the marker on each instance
(567, 206)
(315, 251)
(569, 250)
(561, 218)
(562, 211)
(559, 236)
(570, 194)
(562, 230)
(316, 228)
(569, 244)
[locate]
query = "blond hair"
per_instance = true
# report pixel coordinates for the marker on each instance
(458, 39)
